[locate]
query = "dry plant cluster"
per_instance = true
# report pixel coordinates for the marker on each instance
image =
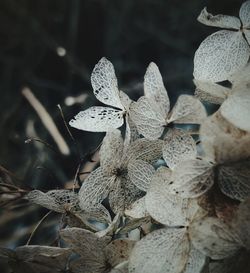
(172, 190)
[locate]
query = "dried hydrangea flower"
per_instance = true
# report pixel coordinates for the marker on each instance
(119, 176)
(151, 113)
(226, 51)
(105, 86)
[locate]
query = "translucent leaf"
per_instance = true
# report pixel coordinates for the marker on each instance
(161, 251)
(196, 261)
(220, 55)
(192, 178)
(187, 109)
(112, 227)
(131, 133)
(144, 149)
(133, 224)
(211, 92)
(56, 200)
(166, 208)
(241, 222)
(98, 119)
(125, 100)
(223, 142)
(213, 238)
(137, 209)
(234, 179)
(148, 118)
(118, 251)
(111, 151)
(179, 146)
(104, 83)
(140, 173)
(95, 189)
(245, 14)
(154, 88)
(236, 109)
(222, 21)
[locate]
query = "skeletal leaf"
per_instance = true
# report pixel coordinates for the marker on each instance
(192, 178)
(137, 209)
(236, 109)
(187, 109)
(211, 92)
(222, 21)
(245, 14)
(98, 119)
(179, 146)
(111, 151)
(161, 251)
(154, 88)
(148, 118)
(104, 83)
(234, 179)
(118, 251)
(56, 200)
(220, 55)
(125, 100)
(112, 227)
(140, 173)
(166, 208)
(95, 189)
(132, 224)
(214, 238)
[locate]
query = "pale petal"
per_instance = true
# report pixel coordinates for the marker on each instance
(213, 238)
(118, 251)
(192, 178)
(144, 149)
(140, 173)
(111, 229)
(98, 119)
(125, 100)
(211, 92)
(196, 261)
(187, 109)
(179, 146)
(104, 83)
(247, 35)
(161, 251)
(132, 225)
(236, 109)
(87, 266)
(245, 14)
(220, 55)
(131, 133)
(234, 179)
(148, 118)
(95, 189)
(166, 208)
(137, 209)
(120, 268)
(154, 88)
(111, 151)
(56, 200)
(220, 20)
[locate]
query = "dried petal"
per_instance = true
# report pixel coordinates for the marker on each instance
(245, 14)
(187, 109)
(213, 238)
(140, 173)
(137, 209)
(104, 83)
(98, 119)
(220, 55)
(161, 251)
(179, 146)
(222, 21)
(192, 178)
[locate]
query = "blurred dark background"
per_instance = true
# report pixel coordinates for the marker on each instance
(51, 46)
